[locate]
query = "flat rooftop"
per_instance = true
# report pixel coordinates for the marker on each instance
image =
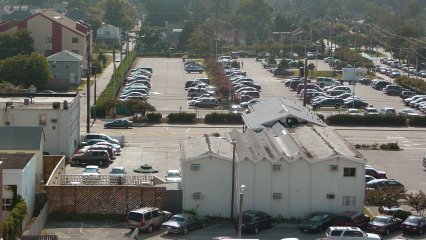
(15, 161)
(36, 101)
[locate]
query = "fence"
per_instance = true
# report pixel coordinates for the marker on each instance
(52, 166)
(78, 179)
(40, 237)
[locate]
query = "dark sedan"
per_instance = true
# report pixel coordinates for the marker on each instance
(182, 223)
(356, 103)
(317, 222)
(118, 124)
(414, 224)
(253, 221)
(384, 224)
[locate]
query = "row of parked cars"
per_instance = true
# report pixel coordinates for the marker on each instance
(138, 84)
(200, 93)
(396, 64)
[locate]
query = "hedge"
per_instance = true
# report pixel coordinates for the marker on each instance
(12, 224)
(153, 117)
(419, 121)
(223, 118)
(181, 117)
(369, 120)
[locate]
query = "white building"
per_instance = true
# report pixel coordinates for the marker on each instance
(18, 175)
(57, 114)
(290, 168)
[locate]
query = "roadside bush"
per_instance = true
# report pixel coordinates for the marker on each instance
(12, 224)
(369, 120)
(181, 117)
(223, 118)
(390, 146)
(153, 117)
(419, 121)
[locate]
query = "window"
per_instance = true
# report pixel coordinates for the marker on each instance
(276, 167)
(349, 172)
(334, 168)
(42, 119)
(75, 40)
(7, 204)
(330, 195)
(48, 52)
(195, 166)
(53, 65)
(349, 200)
(148, 216)
(155, 214)
(48, 39)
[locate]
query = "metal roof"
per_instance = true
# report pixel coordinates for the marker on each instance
(20, 137)
(197, 146)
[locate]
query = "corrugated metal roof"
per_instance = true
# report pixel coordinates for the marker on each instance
(65, 55)
(197, 146)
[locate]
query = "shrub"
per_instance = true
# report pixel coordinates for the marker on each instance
(402, 215)
(370, 120)
(223, 118)
(181, 117)
(153, 117)
(12, 224)
(419, 121)
(390, 146)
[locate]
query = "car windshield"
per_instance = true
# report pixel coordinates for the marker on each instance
(90, 170)
(315, 218)
(177, 219)
(413, 219)
(371, 110)
(173, 174)
(116, 170)
(380, 219)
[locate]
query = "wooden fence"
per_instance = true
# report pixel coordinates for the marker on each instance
(112, 199)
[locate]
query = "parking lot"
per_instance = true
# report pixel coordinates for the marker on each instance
(159, 146)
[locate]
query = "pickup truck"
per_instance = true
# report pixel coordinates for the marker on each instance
(92, 157)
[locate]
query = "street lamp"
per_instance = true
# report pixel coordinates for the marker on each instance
(240, 218)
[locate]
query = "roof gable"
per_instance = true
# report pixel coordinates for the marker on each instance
(20, 137)
(65, 56)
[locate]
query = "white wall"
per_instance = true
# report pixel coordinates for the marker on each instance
(40, 27)
(213, 180)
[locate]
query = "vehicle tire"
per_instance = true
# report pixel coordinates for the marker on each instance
(77, 162)
(256, 230)
(126, 126)
(387, 232)
(185, 230)
(337, 106)
(108, 126)
(150, 228)
(320, 229)
(421, 231)
(101, 162)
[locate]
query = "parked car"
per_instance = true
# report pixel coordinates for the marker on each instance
(194, 68)
(110, 150)
(349, 233)
(205, 102)
(119, 123)
(95, 157)
(250, 103)
(390, 210)
(356, 103)
(325, 81)
(102, 137)
(91, 175)
(385, 183)
(369, 170)
(317, 222)
(182, 223)
(173, 176)
(414, 224)
(408, 112)
(117, 175)
(328, 102)
(369, 178)
(384, 224)
(351, 219)
(253, 221)
(388, 111)
(370, 111)
(147, 218)
(393, 90)
(379, 85)
(354, 112)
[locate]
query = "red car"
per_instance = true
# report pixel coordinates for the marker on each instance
(351, 219)
(375, 173)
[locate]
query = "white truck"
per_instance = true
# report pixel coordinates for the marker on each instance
(352, 75)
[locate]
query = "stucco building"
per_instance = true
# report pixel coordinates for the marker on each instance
(290, 163)
(66, 68)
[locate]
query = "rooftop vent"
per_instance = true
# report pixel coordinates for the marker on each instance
(26, 101)
(56, 105)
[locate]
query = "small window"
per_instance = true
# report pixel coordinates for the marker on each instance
(42, 119)
(276, 167)
(335, 233)
(148, 216)
(349, 172)
(75, 40)
(48, 52)
(334, 168)
(155, 214)
(195, 167)
(276, 195)
(7, 204)
(53, 65)
(48, 39)
(349, 200)
(330, 195)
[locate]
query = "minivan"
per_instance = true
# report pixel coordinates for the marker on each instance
(147, 218)
(393, 90)
(102, 137)
(254, 94)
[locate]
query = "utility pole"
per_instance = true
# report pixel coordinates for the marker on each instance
(113, 59)
(233, 179)
(88, 93)
(305, 81)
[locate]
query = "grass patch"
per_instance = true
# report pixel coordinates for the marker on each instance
(315, 74)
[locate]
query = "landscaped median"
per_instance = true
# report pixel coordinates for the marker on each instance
(375, 120)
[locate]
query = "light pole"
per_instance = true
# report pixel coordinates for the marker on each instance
(240, 218)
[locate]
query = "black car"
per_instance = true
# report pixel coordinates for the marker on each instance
(182, 223)
(356, 103)
(384, 224)
(253, 221)
(317, 222)
(328, 102)
(414, 224)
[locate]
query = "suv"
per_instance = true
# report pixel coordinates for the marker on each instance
(328, 102)
(147, 218)
(393, 90)
(348, 233)
(206, 102)
(101, 136)
(94, 157)
(325, 81)
(351, 219)
(254, 221)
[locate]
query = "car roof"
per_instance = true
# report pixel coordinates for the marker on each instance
(144, 209)
(349, 213)
(118, 167)
(92, 166)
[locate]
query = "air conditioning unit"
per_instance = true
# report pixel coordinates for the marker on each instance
(65, 104)
(334, 168)
(330, 195)
(197, 195)
(26, 101)
(56, 105)
(195, 167)
(276, 167)
(276, 195)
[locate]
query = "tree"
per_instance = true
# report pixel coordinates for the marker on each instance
(201, 40)
(417, 201)
(19, 42)
(384, 197)
(311, 67)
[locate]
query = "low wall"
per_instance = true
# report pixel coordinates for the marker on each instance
(37, 225)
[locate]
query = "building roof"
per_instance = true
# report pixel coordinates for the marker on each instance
(15, 160)
(65, 56)
(300, 31)
(20, 137)
(310, 142)
(195, 147)
(268, 112)
(37, 101)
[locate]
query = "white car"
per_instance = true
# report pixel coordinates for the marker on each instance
(173, 176)
(91, 170)
(349, 233)
(354, 111)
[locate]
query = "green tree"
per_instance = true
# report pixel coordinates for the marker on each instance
(16, 43)
(417, 201)
(187, 30)
(384, 197)
(202, 38)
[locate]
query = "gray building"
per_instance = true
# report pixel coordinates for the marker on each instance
(66, 69)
